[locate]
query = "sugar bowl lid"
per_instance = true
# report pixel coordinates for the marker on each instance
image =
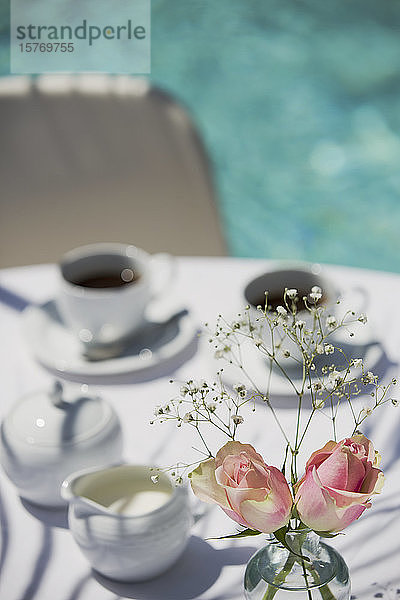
(56, 419)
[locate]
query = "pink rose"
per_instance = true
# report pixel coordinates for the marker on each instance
(339, 480)
(249, 491)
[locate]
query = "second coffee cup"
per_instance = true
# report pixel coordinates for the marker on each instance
(301, 277)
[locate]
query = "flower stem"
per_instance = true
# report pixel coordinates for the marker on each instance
(280, 578)
(292, 558)
(323, 589)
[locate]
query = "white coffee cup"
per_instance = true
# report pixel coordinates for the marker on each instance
(300, 276)
(105, 290)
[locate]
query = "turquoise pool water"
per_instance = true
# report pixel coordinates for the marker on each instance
(299, 106)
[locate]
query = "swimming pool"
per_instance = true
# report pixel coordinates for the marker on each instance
(299, 106)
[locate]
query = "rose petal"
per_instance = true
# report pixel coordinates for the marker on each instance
(367, 444)
(373, 482)
(320, 455)
(222, 478)
(205, 486)
(235, 448)
(256, 477)
(345, 499)
(235, 496)
(266, 516)
(372, 485)
(279, 486)
(342, 470)
(235, 467)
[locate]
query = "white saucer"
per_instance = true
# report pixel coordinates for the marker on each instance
(56, 348)
(257, 366)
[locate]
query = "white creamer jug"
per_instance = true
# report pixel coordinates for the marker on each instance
(129, 527)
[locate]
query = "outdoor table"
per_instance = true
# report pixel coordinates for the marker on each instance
(38, 556)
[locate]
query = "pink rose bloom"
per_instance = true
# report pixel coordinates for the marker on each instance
(249, 491)
(340, 479)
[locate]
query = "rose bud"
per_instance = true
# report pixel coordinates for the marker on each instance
(339, 480)
(250, 492)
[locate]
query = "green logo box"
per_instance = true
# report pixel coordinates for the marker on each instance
(112, 36)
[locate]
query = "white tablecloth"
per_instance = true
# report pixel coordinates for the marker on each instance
(38, 557)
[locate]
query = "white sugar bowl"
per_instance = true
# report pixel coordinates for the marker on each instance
(47, 436)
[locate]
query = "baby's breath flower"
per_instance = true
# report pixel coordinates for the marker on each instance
(319, 349)
(316, 289)
(237, 419)
(158, 411)
(184, 390)
(394, 401)
(317, 386)
(219, 354)
(291, 293)
(331, 322)
(316, 293)
(286, 353)
(239, 387)
(281, 310)
(154, 478)
(370, 377)
(212, 407)
(335, 378)
(329, 349)
(363, 318)
(300, 324)
(356, 362)
(315, 297)
(187, 417)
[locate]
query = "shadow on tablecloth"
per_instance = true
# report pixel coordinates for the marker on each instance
(195, 572)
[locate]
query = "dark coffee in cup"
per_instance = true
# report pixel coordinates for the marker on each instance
(275, 300)
(275, 282)
(107, 279)
(106, 270)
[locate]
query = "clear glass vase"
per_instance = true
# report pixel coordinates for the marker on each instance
(313, 571)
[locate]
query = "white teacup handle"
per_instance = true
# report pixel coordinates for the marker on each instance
(163, 269)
